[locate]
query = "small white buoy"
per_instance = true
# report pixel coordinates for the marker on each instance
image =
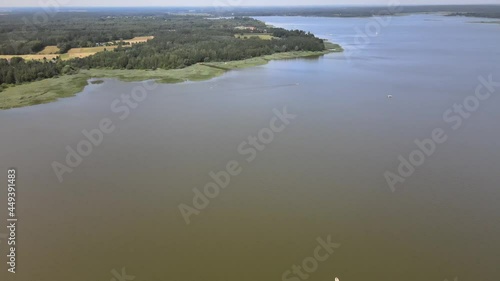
(389, 96)
(337, 279)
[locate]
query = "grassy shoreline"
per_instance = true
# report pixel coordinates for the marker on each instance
(49, 90)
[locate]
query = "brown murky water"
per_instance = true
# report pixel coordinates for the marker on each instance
(322, 175)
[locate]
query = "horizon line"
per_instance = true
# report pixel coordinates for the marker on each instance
(260, 6)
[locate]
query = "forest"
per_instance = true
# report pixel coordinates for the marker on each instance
(28, 32)
(179, 41)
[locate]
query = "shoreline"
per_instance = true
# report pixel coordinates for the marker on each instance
(52, 89)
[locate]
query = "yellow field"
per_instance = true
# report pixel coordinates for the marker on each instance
(263, 36)
(135, 40)
(85, 52)
(49, 50)
(139, 39)
(71, 54)
(29, 57)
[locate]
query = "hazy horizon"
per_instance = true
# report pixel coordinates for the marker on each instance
(232, 3)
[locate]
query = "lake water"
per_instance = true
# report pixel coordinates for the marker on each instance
(323, 175)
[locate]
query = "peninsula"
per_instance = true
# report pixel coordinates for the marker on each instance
(38, 69)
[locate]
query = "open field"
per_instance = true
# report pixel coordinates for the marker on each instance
(50, 52)
(139, 39)
(49, 90)
(71, 54)
(263, 36)
(29, 57)
(85, 52)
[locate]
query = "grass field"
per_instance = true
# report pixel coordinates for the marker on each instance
(48, 90)
(263, 36)
(43, 91)
(333, 47)
(196, 72)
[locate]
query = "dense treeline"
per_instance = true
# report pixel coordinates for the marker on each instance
(181, 49)
(179, 41)
(18, 70)
(26, 33)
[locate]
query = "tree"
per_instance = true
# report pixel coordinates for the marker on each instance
(10, 78)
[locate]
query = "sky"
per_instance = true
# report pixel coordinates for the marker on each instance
(229, 3)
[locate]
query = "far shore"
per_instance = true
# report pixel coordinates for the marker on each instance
(49, 90)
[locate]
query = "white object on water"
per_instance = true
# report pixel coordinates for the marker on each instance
(389, 97)
(337, 279)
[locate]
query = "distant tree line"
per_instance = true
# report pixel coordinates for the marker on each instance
(490, 11)
(492, 14)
